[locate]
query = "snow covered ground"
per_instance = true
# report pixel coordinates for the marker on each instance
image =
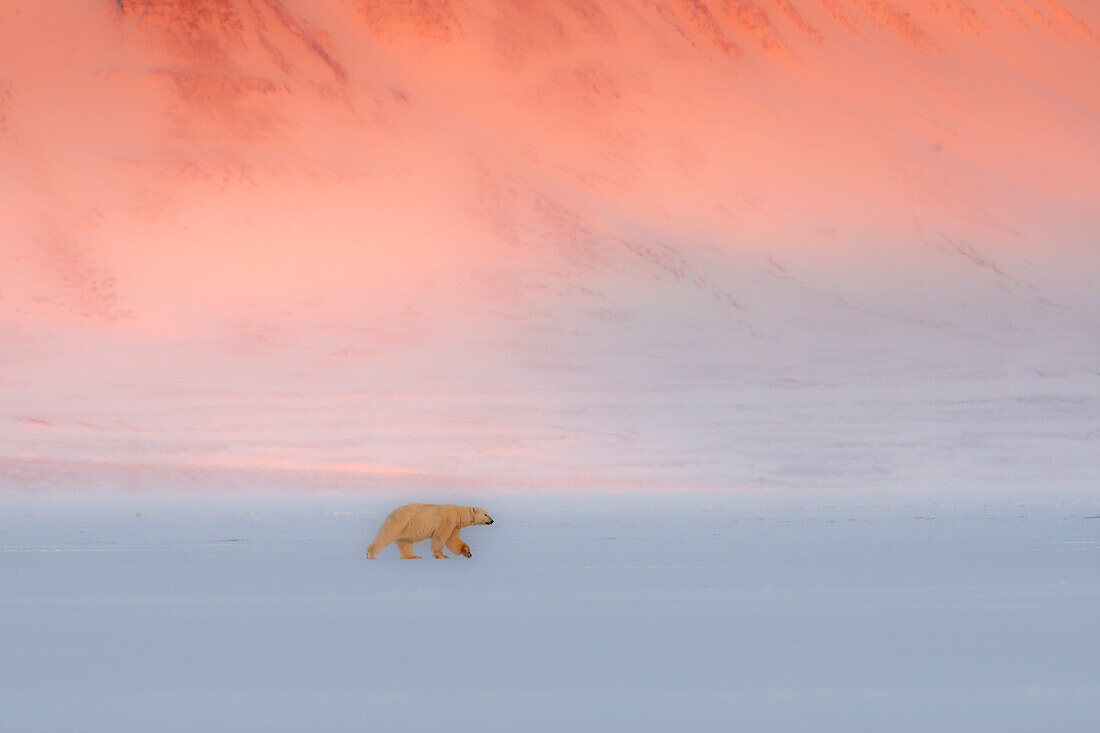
(716, 612)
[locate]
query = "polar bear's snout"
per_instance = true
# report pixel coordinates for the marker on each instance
(480, 516)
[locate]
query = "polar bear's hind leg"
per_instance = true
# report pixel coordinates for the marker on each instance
(406, 547)
(387, 533)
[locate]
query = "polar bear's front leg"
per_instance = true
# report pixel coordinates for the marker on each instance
(439, 539)
(457, 546)
(406, 548)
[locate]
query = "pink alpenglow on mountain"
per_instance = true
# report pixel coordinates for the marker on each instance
(573, 243)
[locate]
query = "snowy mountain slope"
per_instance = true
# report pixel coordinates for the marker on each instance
(496, 241)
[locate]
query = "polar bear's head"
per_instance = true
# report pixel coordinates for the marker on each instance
(480, 516)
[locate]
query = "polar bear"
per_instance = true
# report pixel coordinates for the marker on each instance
(415, 522)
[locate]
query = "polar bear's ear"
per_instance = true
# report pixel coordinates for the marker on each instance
(471, 515)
